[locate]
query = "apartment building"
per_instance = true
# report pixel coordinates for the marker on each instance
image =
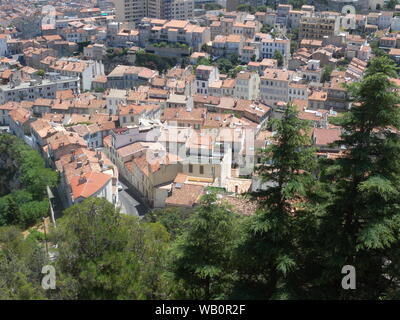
(179, 9)
(298, 91)
(270, 45)
(115, 97)
(247, 85)
(274, 85)
(205, 75)
(337, 97)
(20, 119)
(294, 18)
(125, 77)
(318, 26)
(312, 72)
(283, 14)
(30, 90)
(267, 18)
(85, 173)
(131, 115)
(95, 51)
(135, 10)
(173, 31)
(221, 88)
(86, 70)
(225, 46)
(3, 45)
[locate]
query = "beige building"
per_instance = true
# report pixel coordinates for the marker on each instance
(318, 26)
(135, 10)
(275, 85)
(247, 85)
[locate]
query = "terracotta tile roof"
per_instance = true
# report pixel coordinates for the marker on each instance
(62, 139)
(19, 115)
(88, 184)
(184, 195)
(197, 114)
(326, 136)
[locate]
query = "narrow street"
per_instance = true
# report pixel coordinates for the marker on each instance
(129, 205)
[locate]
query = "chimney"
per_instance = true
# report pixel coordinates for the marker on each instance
(82, 180)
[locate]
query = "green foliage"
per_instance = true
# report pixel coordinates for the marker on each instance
(27, 205)
(262, 9)
(234, 71)
(104, 255)
(378, 52)
(266, 28)
(361, 223)
(40, 73)
(326, 75)
(21, 262)
(278, 56)
(246, 8)
(391, 4)
(268, 257)
(36, 236)
(315, 217)
(116, 52)
(173, 219)
(293, 46)
(82, 45)
(164, 44)
(201, 257)
(155, 62)
(204, 48)
(298, 3)
(212, 6)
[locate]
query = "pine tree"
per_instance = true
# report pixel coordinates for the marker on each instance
(201, 257)
(362, 220)
(268, 256)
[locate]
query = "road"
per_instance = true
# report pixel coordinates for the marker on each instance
(129, 205)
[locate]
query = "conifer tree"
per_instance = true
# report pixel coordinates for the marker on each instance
(268, 256)
(201, 257)
(362, 220)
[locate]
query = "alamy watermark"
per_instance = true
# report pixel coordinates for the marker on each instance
(349, 280)
(49, 280)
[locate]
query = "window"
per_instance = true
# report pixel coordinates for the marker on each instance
(201, 169)
(190, 168)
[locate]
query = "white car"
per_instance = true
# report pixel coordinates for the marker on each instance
(119, 187)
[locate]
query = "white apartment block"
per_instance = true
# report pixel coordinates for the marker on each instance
(180, 10)
(3, 45)
(247, 85)
(298, 91)
(114, 98)
(274, 85)
(182, 31)
(205, 75)
(33, 89)
(225, 46)
(86, 70)
(270, 45)
(135, 10)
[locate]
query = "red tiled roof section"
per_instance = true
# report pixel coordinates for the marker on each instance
(88, 184)
(186, 195)
(326, 136)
